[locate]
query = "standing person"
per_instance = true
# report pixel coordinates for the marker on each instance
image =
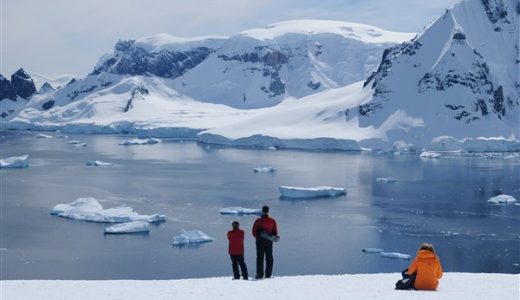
(426, 267)
(236, 250)
(265, 232)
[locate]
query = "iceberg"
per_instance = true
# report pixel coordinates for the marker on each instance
(148, 141)
(430, 154)
(62, 136)
(264, 169)
(15, 162)
(395, 255)
(386, 179)
(191, 237)
(372, 250)
(129, 227)
(95, 163)
(43, 136)
(89, 209)
(311, 192)
(237, 210)
(502, 199)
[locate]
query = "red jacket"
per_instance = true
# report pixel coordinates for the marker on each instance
(266, 223)
(236, 241)
(429, 270)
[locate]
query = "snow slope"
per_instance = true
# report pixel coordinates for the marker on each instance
(453, 286)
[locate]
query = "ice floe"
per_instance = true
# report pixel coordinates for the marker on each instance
(372, 250)
(95, 163)
(77, 143)
(148, 141)
(386, 179)
(430, 154)
(237, 210)
(62, 136)
(15, 162)
(395, 255)
(191, 237)
(502, 199)
(311, 192)
(129, 227)
(89, 209)
(267, 169)
(43, 136)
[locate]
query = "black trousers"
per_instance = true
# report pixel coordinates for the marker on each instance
(237, 260)
(264, 248)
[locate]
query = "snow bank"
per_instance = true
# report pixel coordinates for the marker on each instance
(190, 237)
(264, 170)
(429, 154)
(89, 209)
(453, 286)
(43, 136)
(395, 255)
(129, 227)
(480, 144)
(15, 162)
(148, 141)
(311, 192)
(237, 210)
(386, 179)
(502, 199)
(95, 163)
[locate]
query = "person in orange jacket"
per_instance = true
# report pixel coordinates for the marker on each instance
(427, 268)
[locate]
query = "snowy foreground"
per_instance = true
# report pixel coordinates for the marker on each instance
(456, 286)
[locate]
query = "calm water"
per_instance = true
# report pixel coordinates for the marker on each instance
(442, 201)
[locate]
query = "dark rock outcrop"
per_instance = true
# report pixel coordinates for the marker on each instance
(23, 84)
(7, 90)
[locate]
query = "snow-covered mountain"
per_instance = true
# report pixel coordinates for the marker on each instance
(458, 79)
(55, 82)
(15, 93)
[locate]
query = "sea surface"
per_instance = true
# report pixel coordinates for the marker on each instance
(443, 201)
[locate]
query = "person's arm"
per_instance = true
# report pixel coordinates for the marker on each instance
(439, 270)
(413, 267)
(275, 228)
(255, 228)
(229, 236)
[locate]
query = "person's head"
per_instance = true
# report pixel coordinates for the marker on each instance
(265, 209)
(235, 225)
(427, 246)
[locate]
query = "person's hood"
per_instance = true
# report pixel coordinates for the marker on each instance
(426, 254)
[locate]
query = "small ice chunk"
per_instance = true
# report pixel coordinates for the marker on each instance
(62, 136)
(395, 255)
(15, 162)
(430, 154)
(267, 169)
(237, 210)
(43, 136)
(191, 236)
(95, 163)
(148, 141)
(89, 209)
(502, 199)
(77, 143)
(129, 227)
(311, 192)
(372, 250)
(271, 148)
(386, 179)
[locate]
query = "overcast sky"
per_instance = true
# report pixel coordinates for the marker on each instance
(55, 37)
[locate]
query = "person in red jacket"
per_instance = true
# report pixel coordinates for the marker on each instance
(236, 250)
(426, 267)
(265, 232)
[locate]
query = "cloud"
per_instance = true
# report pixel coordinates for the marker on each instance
(63, 36)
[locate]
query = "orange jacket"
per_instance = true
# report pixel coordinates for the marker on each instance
(429, 270)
